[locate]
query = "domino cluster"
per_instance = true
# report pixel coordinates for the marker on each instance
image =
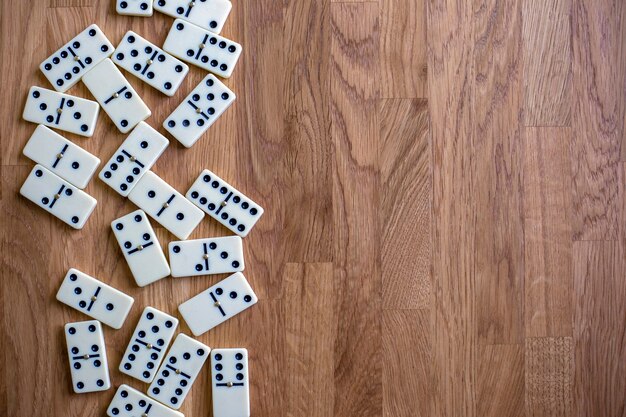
(63, 170)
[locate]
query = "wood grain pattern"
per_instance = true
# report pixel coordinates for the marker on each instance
(497, 143)
(445, 195)
(547, 62)
(403, 48)
(407, 363)
(406, 235)
(549, 373)
(454, 235)
(501, 381)
(547, 232)
(356, 179)
(599, 71)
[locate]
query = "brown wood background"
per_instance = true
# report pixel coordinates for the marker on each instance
(444, 185)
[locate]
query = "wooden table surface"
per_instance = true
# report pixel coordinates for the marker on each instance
(444, 191)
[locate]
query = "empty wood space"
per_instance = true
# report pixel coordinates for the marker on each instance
(444, 185)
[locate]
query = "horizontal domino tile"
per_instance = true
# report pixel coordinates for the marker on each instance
(217, 304)
(206, 256)
(128, 402)
(150, 63)
(224, 203)
(208, 14)
(61, 157)
(202, 48)
(94, 298)
(66, 66)
(58, 197)
(141, 8)
(61, 111)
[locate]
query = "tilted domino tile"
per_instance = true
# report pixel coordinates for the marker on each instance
(87, 354)
(148, 343)
(94, 298)
(141, 8)
(58, 197)
(140, 247)
(230, 382)
(202, 48)
(65, 67)
(61, 111)
(128, 402)
(62, 157)
(206, 256)
(166, 205)
(150, 63)
(224, 203)
(117, 97)
(179, 371)
(208, 14)
(199, 110)
(133, 158)
(217, 304)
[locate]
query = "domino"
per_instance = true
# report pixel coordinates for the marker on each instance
(87, 355)
(141, 8)
(206, 256)
(94, 298)
(61, 111)
(224, 203)
(133, 158)
(140, 247)
(117, 97)
(147, 345)
(179, 371)
(58, 197)
(150, 63)
(208, 14)
(166, 205)
(230, 383)
(65, 67)
(70, 162)
(217, 304)
(199, 110)
(202, 48)
(128, 402)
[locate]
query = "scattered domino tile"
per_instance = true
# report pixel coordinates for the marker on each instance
(87, 355)
(141, 8)
(58, 197)
(128, 402)
(208, 14)
(65, 67)
(150, 63)
(94, 298)
(230, 383)
(116, 96)
(202, 48)
(224, 203)
(217, 304)
(61, 111)
(166, 205)
(199, 110)
(148, 343)
(179, 371)
(133, 158)
(141, 248)
(63, 158)
(206, 256)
